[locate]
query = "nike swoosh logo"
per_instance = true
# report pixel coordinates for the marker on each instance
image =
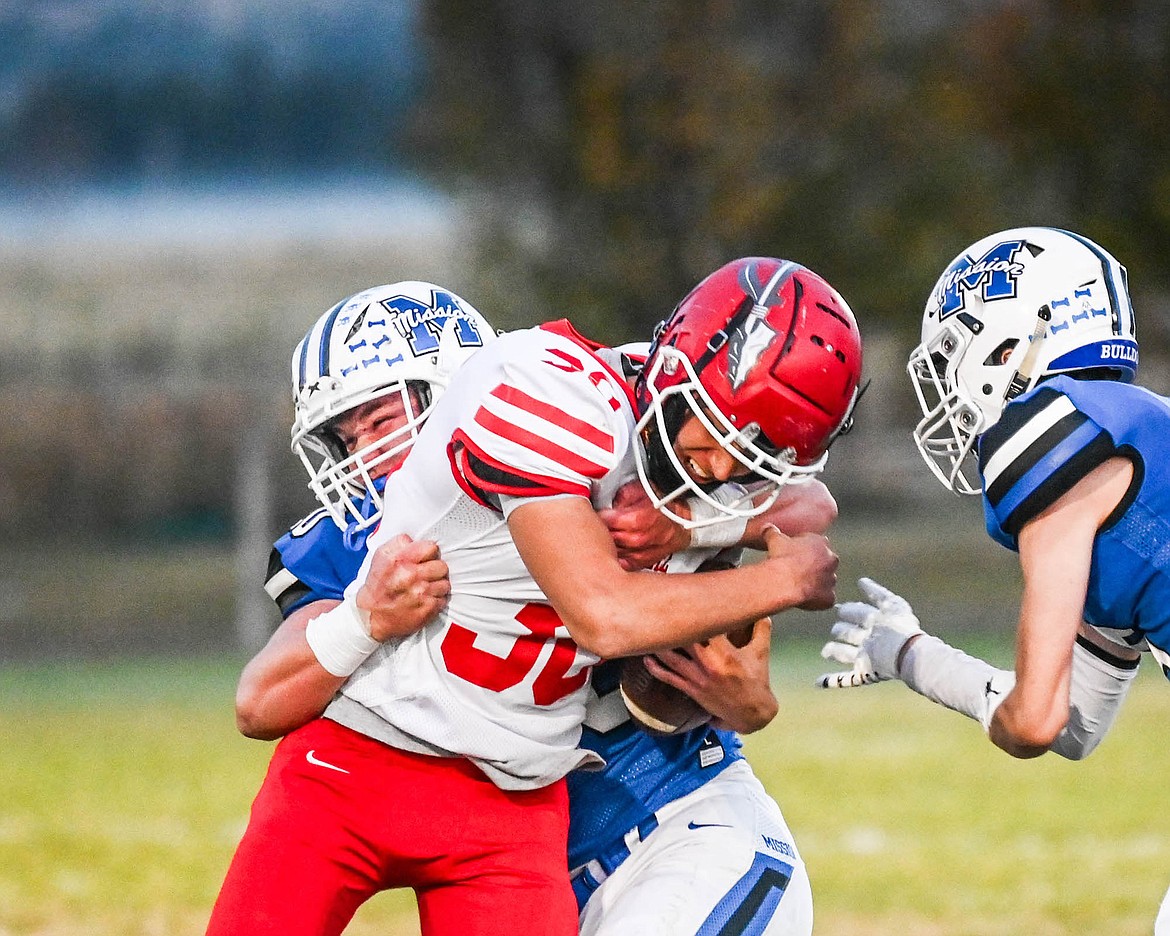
(708, 825)
(320, 763)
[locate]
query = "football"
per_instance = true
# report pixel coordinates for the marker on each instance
(658, 707)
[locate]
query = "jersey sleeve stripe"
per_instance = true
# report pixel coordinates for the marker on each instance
(279, 583)
(481, 475)
(1041, 487)
(1057, 445)
(543, 447)
(555, 415)
(295, 597)
(1015, 445)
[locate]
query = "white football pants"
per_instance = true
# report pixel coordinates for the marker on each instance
(720, 861)
(1162, 924)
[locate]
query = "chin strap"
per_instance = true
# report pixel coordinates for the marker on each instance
(1022, 378)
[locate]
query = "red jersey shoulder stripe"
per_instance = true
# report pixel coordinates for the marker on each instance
(541, 446)
(555, 415)
(506, 480)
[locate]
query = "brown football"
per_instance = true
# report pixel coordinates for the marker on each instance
(660, 708)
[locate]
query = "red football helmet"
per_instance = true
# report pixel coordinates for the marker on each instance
(767, 355)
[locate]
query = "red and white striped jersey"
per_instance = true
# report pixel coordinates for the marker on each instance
(496, 677)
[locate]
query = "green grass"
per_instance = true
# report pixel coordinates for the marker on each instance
(125, 788)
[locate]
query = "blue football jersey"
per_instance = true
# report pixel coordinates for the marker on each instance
(316, 560)
(1050, 438)
(642, 773)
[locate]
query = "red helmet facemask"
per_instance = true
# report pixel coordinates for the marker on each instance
(767, 356)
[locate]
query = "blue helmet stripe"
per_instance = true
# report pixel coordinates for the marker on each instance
(304, 349)
(327, 334)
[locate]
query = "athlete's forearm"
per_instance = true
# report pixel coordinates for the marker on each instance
(285, 686)
(614, 613)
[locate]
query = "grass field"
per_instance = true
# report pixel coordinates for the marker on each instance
(125, 788)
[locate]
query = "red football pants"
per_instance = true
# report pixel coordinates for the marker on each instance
(340, 817)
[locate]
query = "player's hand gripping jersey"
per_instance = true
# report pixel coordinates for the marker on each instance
(1050, 438)
(497, 678)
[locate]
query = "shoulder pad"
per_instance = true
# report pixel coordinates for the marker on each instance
(1041, 446)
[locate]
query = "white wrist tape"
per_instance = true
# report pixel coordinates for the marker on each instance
(710, 532)
(952, 678)
(340, 638)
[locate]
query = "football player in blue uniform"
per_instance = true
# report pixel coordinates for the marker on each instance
(637, 825)
(1025, 373)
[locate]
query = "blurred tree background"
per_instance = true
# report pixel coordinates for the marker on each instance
(583, 159)
(869, 139)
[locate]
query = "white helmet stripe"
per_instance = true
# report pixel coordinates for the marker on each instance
(763, 295)
(767, 297)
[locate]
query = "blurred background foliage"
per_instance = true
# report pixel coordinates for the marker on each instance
(187, 185)
(870, 139)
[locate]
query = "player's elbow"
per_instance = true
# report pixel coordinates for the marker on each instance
(1038, 733)
(252, 716)
(822, 508)
(600, 625)
(599, 635)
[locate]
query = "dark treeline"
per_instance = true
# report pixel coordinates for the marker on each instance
(644, 141)
(869, 139)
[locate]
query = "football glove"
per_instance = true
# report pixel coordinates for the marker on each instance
(868, 637)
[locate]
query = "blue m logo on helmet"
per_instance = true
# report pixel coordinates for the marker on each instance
(994, 274)
(422, 324)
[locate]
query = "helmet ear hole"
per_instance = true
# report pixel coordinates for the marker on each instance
(1002, 352)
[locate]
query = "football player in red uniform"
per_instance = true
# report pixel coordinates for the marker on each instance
(472, 721)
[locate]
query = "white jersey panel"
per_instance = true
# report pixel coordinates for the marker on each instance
(721, 859)
(496, 677)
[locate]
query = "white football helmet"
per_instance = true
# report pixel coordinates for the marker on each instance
(400, 338)
(1010, 310)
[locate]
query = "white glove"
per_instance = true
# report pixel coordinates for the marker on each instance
(868, 637)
